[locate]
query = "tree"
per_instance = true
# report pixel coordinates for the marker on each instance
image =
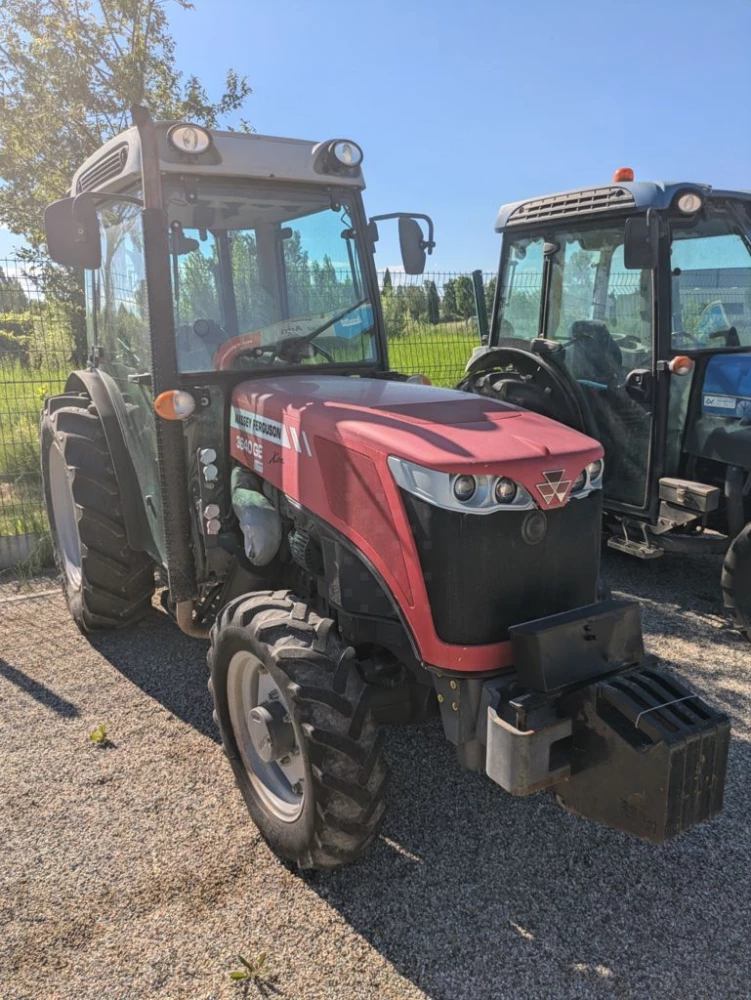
(465, 296)
(433, 303)
(387, 284)
(489, 296)
(70, 72)
(448, 308)
(13, 298)
(417, 303)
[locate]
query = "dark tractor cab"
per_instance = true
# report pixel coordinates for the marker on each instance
(625, 311)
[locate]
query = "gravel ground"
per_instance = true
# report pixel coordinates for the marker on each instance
(133, 871)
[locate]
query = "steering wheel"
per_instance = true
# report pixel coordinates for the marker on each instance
(527, 380)
(291, 350)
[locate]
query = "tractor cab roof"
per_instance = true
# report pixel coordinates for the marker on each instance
(631, 196)
(117, 164)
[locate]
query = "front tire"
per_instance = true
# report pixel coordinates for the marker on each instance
(294, 717)
(106, 583)
(736, 581)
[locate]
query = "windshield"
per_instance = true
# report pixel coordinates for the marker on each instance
(710, 267)
(266, 277)
(592, 295)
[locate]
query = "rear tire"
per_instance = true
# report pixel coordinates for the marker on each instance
(736, 581)
(328, 811)
(106, 583)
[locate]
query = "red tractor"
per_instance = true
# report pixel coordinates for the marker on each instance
(359, 548)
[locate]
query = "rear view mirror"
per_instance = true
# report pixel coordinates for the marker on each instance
(412, 245)
(72, 232)
(641, 245)
(412, 241)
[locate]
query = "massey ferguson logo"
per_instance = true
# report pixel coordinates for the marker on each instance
(554, 487)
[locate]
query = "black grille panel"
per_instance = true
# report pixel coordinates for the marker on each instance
(586, 202)
(482, 577)
(103, 170)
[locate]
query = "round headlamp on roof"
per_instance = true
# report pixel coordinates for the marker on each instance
(190, 139)
(689, 202)
(346, 153)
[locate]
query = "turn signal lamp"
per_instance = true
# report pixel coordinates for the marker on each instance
(623, 174)
(175, 404)
(419, 380)
(681, 365)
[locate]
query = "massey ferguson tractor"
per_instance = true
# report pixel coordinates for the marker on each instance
(359, 548)
(625, 312)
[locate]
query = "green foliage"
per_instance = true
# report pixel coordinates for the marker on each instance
(432, 302)
(465, 297)
(489, 296)
(255, 970)
(98, 736)
(395, 313)
(417, 302)
(449, 308)
(13, 298)
(70, 74)
(388, 286)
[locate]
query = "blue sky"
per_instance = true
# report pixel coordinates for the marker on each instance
(460, 107)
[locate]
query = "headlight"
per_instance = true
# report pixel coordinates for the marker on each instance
(589, 479)
(595, 470)
(464, 488)
(505, 490)
(468, 494)
(689, 202)
(580, 482)
(189, 139)
(347, 153)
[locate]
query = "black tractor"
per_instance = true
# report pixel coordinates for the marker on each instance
(625, 311)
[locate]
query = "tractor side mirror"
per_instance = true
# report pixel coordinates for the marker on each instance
(641, 243)
(412, 245)
(412, 241)
(72, 231)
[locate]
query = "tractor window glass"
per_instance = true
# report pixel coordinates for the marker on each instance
(119, 291)
(521, 290)
(267, 277)
(710, 264)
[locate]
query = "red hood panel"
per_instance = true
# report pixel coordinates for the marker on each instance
(438, 428)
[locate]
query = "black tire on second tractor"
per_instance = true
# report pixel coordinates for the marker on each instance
(736, 580)
(106, 583)
(293, 713)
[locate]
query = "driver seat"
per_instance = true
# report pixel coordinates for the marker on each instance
(593, 353)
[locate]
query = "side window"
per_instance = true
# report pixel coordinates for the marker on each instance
(122, 305)
(711, 286)
(522, 290)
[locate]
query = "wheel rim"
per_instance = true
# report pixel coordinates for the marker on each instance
(64, 516)
(279, 783)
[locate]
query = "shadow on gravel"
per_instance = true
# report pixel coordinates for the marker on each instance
(166, 664)
(471, 893)
(39, 692)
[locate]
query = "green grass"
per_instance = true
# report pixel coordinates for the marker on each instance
(22, 392)
(440, 352)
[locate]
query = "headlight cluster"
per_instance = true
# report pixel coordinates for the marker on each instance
(588, 479)
(460, 492)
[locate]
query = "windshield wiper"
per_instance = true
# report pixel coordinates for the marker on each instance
(292, 346)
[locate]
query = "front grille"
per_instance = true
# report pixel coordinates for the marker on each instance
(586, 202)
(103, 170)
(482, 576)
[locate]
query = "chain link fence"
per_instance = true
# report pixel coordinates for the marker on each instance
(432, 328)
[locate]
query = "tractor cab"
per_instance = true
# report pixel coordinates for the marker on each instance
(625, 311)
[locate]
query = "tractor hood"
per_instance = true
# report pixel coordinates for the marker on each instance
(279, 424)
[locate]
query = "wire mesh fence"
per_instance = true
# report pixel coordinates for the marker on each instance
(430, 321)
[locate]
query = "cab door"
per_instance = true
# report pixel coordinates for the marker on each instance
(118, 323)
(601, 313)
